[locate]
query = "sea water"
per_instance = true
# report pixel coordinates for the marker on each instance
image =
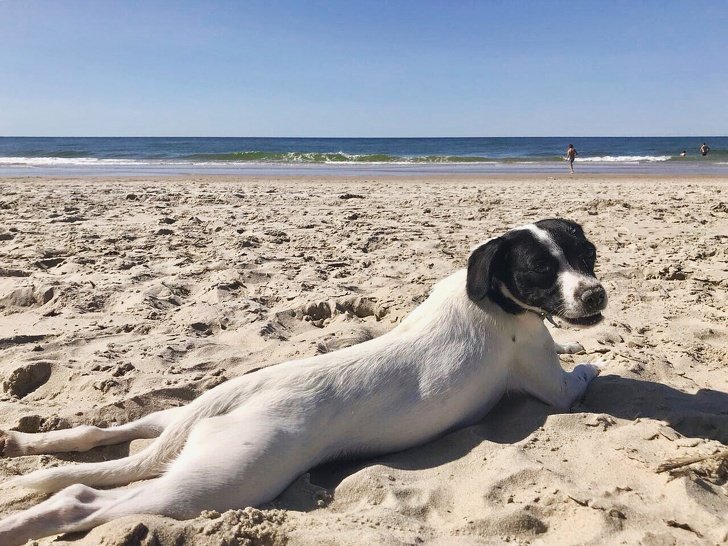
(160, 155)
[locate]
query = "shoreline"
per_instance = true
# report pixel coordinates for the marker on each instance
(393, 177)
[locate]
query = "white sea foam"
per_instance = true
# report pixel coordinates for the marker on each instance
(95, 162)
(66, 161)
(625, 158)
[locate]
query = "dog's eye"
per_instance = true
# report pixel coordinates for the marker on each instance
(541, 267)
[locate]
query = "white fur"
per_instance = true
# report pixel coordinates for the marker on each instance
(240, 444)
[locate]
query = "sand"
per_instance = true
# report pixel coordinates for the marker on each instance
(119, 297)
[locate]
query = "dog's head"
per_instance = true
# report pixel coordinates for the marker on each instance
(546, 267)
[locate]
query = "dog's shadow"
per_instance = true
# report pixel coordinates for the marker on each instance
(700, 415)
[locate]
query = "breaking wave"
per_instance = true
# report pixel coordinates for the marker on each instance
(625, 158)
(332, 157)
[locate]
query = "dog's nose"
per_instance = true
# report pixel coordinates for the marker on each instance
(594, 297)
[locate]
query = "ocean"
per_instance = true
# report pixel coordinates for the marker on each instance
(42, 156)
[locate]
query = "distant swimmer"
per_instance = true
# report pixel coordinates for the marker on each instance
(704, 149)
(683, 153)
(571, 156)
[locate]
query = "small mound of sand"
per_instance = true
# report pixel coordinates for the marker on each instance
(26, 379)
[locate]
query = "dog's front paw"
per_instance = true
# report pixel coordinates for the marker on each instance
(569, 348)
(578, 382)
(587, 372)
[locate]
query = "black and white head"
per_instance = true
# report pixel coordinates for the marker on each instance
(546, 267)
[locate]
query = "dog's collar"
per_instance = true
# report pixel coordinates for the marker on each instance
(549, 317)
(510, 304)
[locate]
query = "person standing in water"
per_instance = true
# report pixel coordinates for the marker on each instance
(704, 149)
(571, 156)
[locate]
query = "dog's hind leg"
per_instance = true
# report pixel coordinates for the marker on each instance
(243, 458)
(240, 459)
(83, 438)
(66, 511)
(152, 460)
(148, 463)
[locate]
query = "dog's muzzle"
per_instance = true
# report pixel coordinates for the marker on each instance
(592, 299)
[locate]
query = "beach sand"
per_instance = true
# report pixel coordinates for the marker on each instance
(119, 297)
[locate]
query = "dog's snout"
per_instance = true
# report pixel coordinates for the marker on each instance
(594, 297)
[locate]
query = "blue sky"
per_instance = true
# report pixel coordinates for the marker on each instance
(399, 68)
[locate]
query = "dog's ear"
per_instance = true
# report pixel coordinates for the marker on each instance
(481, 266)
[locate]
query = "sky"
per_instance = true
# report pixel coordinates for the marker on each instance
(363, 69)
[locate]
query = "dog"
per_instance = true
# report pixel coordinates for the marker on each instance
(479, 334)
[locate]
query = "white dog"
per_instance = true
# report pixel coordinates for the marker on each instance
(478, 335)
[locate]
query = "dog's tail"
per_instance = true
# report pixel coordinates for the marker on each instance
(148, 463)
